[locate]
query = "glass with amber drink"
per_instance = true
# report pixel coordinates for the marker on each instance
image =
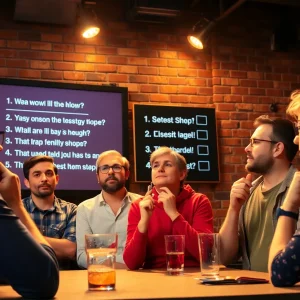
(101, 259)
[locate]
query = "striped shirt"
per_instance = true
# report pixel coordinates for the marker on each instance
(57, 222)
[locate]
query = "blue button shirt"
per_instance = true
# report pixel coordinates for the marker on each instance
(57, 222)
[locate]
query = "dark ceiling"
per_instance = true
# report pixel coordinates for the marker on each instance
(64, 12)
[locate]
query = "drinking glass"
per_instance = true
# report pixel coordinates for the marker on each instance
(101, 259)
(175, 245)
(209, 250)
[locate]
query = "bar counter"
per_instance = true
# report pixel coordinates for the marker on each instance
(155, 284)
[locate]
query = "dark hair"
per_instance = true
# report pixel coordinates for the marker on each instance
(282, 131)
(32, 161)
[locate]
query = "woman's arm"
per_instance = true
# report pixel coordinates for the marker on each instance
(285, 266)
(136, 242)
(202, 222)
(284, 251)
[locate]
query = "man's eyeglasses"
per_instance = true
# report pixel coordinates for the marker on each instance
(256, 141)
(2, 135)
(105, 168)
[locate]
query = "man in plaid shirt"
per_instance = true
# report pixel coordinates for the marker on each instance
(55, 218)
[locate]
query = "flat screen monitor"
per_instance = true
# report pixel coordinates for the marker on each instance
(73, 123)
(190, 131)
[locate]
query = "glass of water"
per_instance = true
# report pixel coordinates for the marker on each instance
(175, 245)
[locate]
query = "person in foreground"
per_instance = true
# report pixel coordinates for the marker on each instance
(55, 218)
(27, 261)
(108, 211)
(284, 257)
(250, 222)
(170, 207)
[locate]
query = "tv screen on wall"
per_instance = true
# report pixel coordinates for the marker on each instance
(190, 131)
(73, 123)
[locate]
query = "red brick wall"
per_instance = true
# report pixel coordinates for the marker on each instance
(237, 74)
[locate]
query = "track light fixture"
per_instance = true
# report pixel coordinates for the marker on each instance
(202, 28)
(200, 32)
(88, 22)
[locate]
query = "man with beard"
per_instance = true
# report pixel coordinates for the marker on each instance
(55, 218)
(250, 223)
(108, 211)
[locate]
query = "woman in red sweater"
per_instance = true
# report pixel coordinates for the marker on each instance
(169, 208)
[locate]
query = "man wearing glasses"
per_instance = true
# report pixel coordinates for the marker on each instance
(250, 223)
(28, 263)
(108, 211)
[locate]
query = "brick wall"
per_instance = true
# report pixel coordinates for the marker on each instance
(237, 74)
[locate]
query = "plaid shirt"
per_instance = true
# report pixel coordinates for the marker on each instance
(58, 222)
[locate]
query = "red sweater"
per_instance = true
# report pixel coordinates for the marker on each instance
(147, 250)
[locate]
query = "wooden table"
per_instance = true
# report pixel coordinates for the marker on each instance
(157, 285)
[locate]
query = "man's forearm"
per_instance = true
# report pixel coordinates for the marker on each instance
(24, 217)
(81, 259)
(229, 237)
(63, 248)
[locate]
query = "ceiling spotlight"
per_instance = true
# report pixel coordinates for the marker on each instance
(200, 33)
(90, 31)
(88, 23)
(201, 29)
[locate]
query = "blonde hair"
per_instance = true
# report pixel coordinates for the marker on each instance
(179, 159)
(293, 109)
(114, 152)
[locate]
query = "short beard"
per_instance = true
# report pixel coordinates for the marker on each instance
(43, 194)
(260, 168)
(112, 188)
(118, 185)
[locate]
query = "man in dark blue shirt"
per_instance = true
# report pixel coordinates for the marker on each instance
(27, 262)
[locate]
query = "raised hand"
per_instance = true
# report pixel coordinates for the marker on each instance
(240, 192)
(169, 202)
(10, 187)
(146, 206)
